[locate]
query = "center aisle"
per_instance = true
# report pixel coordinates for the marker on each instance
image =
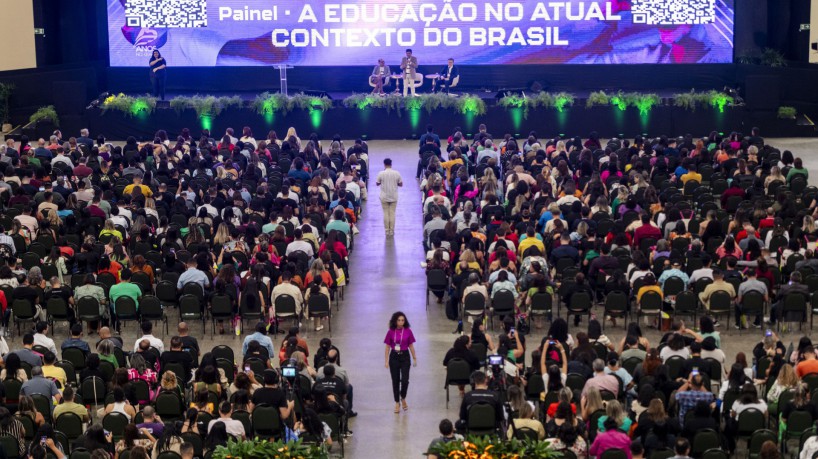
(385, 277)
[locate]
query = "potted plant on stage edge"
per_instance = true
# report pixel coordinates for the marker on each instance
(5, 94)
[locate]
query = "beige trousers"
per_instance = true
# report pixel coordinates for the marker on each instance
(389, 216)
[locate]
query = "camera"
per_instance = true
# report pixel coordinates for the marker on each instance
(495, 360)
(288, 372)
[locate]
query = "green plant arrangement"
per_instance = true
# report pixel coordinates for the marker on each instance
(597, 98)
(772, 58)
(48, 113)
(693, 99)
(269, 103)
(362, 101)
(129, 105)
(786, 112)
(644, 102)
(204, 105)
(494, 448)
(541, 99)
(620, 101)
(264, 449)
(5, 95)
(305, 102)
(562, 100)
(686, 100)
(719, 100)
(468, 103)
(559, 101)
(414, 103)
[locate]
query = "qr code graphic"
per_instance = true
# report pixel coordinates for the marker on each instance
(166, 13)
(673, 12)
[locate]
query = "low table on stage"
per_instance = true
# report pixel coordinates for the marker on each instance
(398, 77)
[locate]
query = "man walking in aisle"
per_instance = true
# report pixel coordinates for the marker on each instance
(389, 180)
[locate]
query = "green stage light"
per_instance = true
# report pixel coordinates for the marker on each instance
(139, 105)
(516, 117)
(414, 118)
(316, 116)
(207, 121)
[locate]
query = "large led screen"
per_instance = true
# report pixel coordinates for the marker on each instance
(207, 33)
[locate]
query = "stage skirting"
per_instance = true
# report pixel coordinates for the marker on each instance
(377, 123)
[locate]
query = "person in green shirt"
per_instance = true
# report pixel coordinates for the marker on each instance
(69, 406)
(796, 169)
(125, 288)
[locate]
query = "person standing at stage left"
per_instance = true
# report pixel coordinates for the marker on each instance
(379, 75)
(389, 180)
(158, 68)
(409, 65)
(400, 342)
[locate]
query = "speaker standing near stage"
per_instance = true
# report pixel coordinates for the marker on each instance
(158, 66)
(389, 180)
(409, 64)
(399, 342)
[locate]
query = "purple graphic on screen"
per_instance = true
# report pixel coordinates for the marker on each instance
(206, 33)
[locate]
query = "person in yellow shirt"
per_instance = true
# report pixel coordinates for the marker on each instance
(137, 182)
(530, 240)
(691, 174)
(454, 158)
(51, 371)
(649, 285)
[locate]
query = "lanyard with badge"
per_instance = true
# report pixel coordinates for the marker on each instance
(397, 342)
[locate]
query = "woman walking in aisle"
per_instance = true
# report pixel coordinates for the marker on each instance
(399, 343)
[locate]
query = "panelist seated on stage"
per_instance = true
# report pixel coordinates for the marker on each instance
(449, 77)
(380, 77)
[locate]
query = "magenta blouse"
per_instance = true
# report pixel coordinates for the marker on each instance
(404, 337)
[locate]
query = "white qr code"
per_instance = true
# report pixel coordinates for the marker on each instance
(673, 12)
(166, 13)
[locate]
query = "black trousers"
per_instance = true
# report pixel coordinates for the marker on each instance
(158, 82)
(399, 365)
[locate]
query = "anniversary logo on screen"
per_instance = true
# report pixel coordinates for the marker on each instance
(311, 33)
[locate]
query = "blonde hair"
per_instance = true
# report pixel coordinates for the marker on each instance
(593, 399)
(787, 376)
(809, 224)
(169, 381)
(468, 256)
(613, 409)
(150, 203)
(222, 234)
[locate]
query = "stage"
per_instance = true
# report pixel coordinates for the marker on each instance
(406, 123)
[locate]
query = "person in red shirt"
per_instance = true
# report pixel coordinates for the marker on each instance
(646, 231)
(748, 228)
(769, 221)
(734, 190)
